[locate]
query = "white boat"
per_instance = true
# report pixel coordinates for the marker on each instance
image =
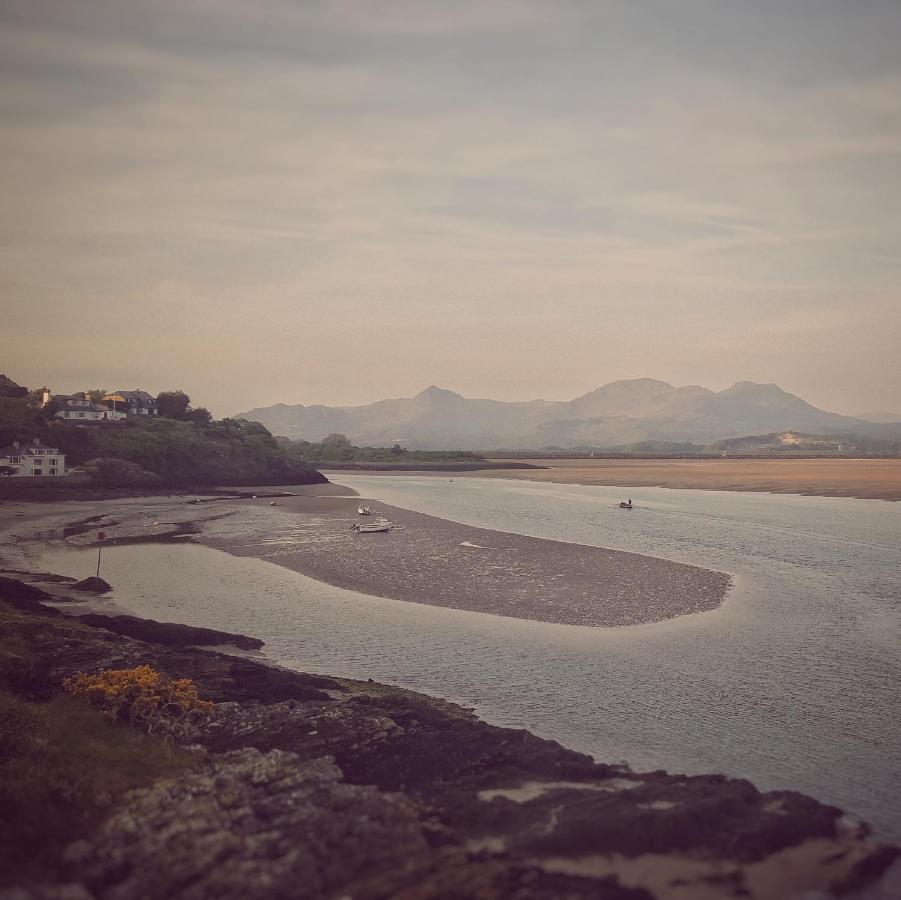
(364, 510)
(380, 524)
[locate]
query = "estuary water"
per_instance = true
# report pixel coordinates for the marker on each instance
(794, 683)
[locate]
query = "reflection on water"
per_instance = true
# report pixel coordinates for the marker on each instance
(794, 683)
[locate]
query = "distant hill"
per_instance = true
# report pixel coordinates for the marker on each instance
(788, 443)
(617, 414)
(881, 416)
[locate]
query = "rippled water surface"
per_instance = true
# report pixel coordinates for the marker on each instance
(794, 683)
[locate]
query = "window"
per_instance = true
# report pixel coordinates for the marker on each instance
(37, 472)
(81, 415)
(51, 462)
(52, 472)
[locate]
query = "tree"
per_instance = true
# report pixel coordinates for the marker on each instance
(173, 404)
(95, 395)
(199, 416)
(19, 421)
(8, 388)
(336, 447)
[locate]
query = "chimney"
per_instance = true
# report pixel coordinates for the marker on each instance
(16, 444)
(45, 396)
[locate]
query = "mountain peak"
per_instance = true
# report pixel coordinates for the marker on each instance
(754, 387)
(434, 392)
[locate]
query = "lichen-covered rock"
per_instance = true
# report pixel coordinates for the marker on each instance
(266, 825)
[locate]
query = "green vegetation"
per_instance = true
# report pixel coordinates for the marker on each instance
(184, 448)
(184, 453)
(62, 763)
(336, 448)
(177, 405)
(9, 389)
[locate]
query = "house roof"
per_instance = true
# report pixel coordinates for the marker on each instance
(143, 396)
(70, 403)
(25, 449)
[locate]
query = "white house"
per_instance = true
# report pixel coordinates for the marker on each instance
(31, 459)
(80, 408)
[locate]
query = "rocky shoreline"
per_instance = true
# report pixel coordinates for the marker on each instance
(309, 786)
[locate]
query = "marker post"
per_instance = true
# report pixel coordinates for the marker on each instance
(100, 536)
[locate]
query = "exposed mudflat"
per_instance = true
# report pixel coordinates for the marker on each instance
(424, 559)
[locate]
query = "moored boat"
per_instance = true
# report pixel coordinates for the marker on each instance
(380, 524)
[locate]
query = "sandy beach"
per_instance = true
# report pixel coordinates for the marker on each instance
(423, 560)
(866, 479)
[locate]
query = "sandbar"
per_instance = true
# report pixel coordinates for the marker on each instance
(424, 559)
(429, 560)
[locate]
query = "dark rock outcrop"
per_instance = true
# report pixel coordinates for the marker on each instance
(92, 585)
(25, 597)
(167, 633)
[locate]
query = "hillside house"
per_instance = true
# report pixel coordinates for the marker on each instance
(31, 459)
(80, 408)
(134, 403)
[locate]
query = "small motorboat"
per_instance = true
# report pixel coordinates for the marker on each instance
(626, 504)
(380, 524)
(364, 510)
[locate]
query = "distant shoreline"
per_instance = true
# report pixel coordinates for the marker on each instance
(437, 466)
(864, 479)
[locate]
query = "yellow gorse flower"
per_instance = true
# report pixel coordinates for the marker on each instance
(142, 696)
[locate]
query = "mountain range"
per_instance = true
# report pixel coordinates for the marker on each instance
(617, 414)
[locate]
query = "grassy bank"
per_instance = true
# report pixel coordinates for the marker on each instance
(63, 765)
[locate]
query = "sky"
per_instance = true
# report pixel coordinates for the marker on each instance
(339, 201)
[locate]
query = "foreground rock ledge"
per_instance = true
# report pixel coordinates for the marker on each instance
(308, 786)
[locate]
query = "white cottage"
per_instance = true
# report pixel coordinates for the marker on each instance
(80, 408)
(31, 459)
